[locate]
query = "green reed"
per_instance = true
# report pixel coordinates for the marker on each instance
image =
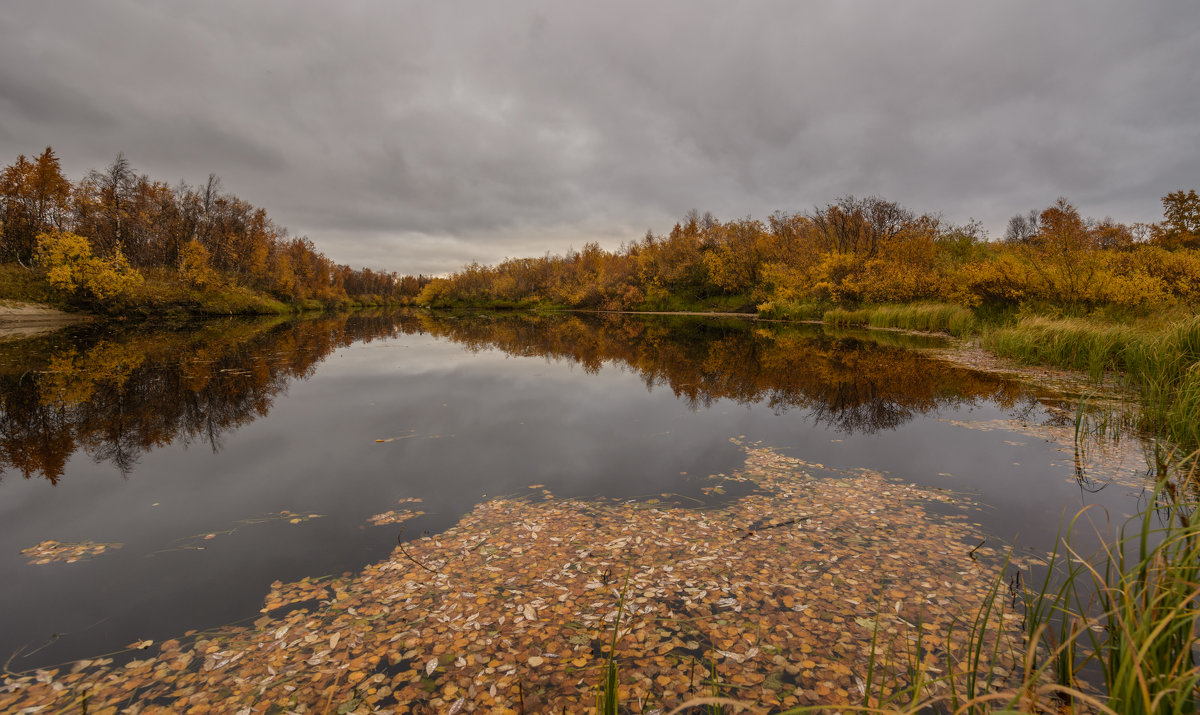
(1161, 362)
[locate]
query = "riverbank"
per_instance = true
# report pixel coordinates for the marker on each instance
(163, 293)
(1151, 357)
(19, 319)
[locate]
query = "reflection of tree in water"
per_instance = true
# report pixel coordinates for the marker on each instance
(116, 398)
(849, 384)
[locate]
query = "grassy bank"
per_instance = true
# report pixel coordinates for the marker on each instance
(1161, 359)
(929, 317)
(1158, 355)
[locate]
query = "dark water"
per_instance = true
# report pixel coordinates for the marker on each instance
(156, 439)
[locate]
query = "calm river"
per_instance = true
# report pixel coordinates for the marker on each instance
(171, 476)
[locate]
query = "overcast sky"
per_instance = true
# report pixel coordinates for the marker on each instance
(420, 136)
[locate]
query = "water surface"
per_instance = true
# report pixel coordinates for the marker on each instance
(228, 455)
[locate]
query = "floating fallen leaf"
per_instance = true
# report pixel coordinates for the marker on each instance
(394, 516)
(51, 551)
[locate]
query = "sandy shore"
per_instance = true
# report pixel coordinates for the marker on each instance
(21, 320)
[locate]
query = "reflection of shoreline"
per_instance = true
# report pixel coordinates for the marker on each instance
(848, 383)
(116, 396)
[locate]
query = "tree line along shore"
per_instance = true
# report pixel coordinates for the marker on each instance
(1057, 288)
(121, 243)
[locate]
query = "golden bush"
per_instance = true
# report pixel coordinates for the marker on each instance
(73, 269)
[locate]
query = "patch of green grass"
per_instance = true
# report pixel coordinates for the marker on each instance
(847, 317)
(925, 317)
(677, 303)
(496, 304)
(928, 317)
(1074, 343)
(792, 311)
(162, 293)
(1162, 361)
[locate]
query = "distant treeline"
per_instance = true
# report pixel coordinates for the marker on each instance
(96, 237)
(859, 250)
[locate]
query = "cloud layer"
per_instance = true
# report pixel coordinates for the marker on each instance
(419, 136)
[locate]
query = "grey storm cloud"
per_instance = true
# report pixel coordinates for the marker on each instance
(420, 136)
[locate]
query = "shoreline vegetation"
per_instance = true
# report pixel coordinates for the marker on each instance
(1059, 289)
(121, 244)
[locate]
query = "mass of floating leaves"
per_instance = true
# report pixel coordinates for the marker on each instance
(396, 516)
(51, 551)
(772, 598)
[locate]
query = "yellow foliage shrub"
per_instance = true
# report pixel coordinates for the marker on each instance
(782, 283)
(890, 281)
(834, 278)
(71, 267)
(193, 264)
(436, 292)
(1178, 272)
(1002, 279)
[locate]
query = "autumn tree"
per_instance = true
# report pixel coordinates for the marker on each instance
(1022, 227)
(1181, 220)
(33, 199)
(857, 226)
(734, 254)
(1112, 235)
(194, 265)
(1062, 254)
(103, 205)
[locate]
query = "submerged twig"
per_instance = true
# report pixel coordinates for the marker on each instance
(789, 522)
(400, 543)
